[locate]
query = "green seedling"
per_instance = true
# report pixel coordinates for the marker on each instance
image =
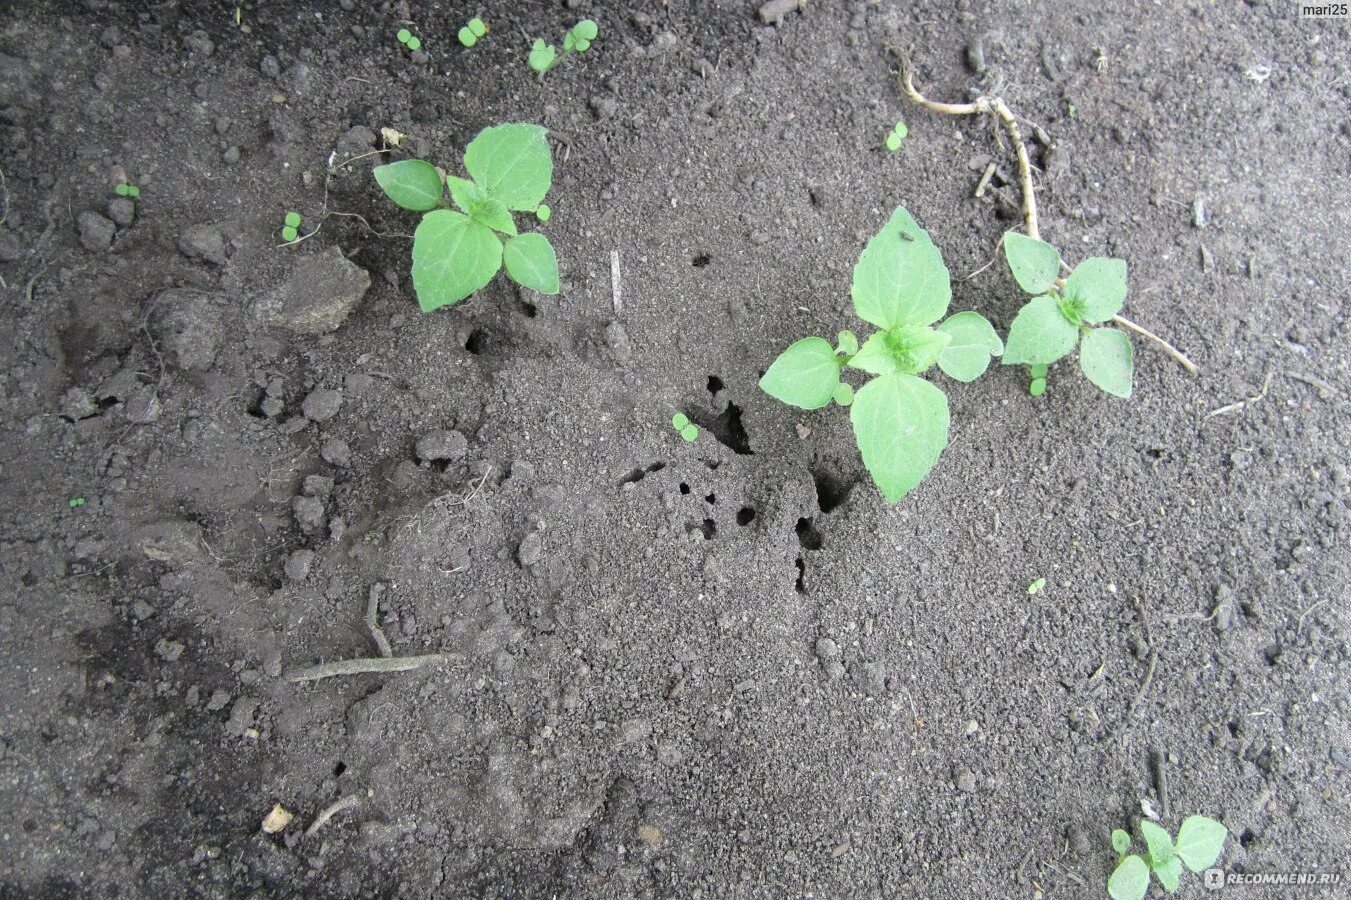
(1036, 586)
(76, 502)
(1068, 312)
(291, 228)
(1037, 385)
(409, 40)
(688, 430)
(544, 212)
(900, 421)
(544, 56)
(470, 33)
(1199, 843)
(895, 137)
(127, 189)
(457, 251)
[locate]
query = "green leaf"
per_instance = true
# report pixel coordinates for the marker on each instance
(289, 233)
(1158, 842)
(414, 43)
(1169, 874)
(844, 394)
(542, 56)
(467, 37)
(493, 212)
(1121, 841)
(907, 350)
(586, 29)
(1106, 357)
(411, 183)
(1037, 387)
(1039, 370)
(453, 256)
(893, 141)
(544, 212)
(900, 278)
(1199, 842)
(403, 35)
(679, 421)
(690, 433)
(477, 26)
(465, 193)
(531, 262)
(974, 341)
(1130, 880)
(805, 375)
(1100, 283)
(1039, 333)
(901, 425)
(1035, 264)
(846, 343)
(512, 163)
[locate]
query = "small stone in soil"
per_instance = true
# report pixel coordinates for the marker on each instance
(322, 404)
(122, 211)
(531, 549)
(96, 232)
(298, 565)
(442, 445)
(309, 513)
(318, 295)
(336, 452)
(205, 243)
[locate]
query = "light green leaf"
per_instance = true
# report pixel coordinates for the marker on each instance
(1121, 841)
(1035, 264)
(1100, 283)
(1039, 333)
(1169, 874)
(453, 256)
(542, 56)
(1199, 842)
(512, 163)
(531, 262)
(974, 341)
(493, 212)
(900, 278)
(907, 350)
(1130, 880)
(465, 193)
(690, 433)
(846, 343)
(805, 375)
(844, 393)
(586, 29)
(679, 421)
(411, 183)
(1158, 842)
(901, 425)
(1106, 357)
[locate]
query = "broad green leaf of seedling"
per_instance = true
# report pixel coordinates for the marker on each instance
(543, 213)
(453, 256)
(1035, 264)
(896, 136)
(404, 35)
(1107, 360)
(901, 426)
(1040, 333)
(1129, 880)
(805, 375)
(846, 344)
(1036, 586)
(904, 350)
(1199, 842)
(900, 278)
(542, 56)
(844, 394)
(973, 343)
(687, 429)
(512, 163)
(1099, 284)
(414, 43)
(531, 262)
(1158, 842)
(411, 183)
(1121, 840)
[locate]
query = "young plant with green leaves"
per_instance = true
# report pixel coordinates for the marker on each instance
(544, 56)
(127, 189)
(1199, 843)
(457, 251)
(290, 228)
(895, 137)
(470, 33)
(1065, 313)
(900, 420)
(409, 40)
(687, 429)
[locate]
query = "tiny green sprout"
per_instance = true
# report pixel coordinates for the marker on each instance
(477, 27)
(404, 35)
(1200, 840)
(1065, 313)
(1036, 586)
(544, 56)
(127, 189)
(688, 430)
(291, 226)
(467, 37)
(896, 136)
(293, 219)
(289, 233)
(900, 420)
(1037, 386)
(457, 251)
(544, 212)
(76, 502)
(414, 43)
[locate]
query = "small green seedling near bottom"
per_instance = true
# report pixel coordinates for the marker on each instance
(456, 252)
(291, 228)
(1199, 843)
(409, 40)
(127, 189)
(544, 212)
(1065, 313)
(895, 137)
(471, 32)
(688, 430)
(76, 502)
(1036, 586)
(900, 421)
(1037, 386)
(544, 56)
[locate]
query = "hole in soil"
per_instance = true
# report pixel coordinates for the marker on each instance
(529, 309)
(807, 535)
(701, 260)
(478, 341)
(1247, 838)
(727, 429)
(831, 490)
(639, 474)
(684, 488)
(255, 407)
(715, 384)
(713, 464)
(339, 769)
(745, 516)
(817, 196)
(1272, 654)
(801, 583)
(711, 498)
(1235, 728)
(708, 527)
(1155, 452)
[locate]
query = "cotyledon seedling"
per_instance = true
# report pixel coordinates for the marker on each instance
(1199, 843)
(900, 421)
(544, 56)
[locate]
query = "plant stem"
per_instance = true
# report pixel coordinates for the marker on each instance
(996, 105)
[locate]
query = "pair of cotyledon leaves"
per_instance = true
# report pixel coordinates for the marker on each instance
(1051, 324)
(456, 252)
(900, 421)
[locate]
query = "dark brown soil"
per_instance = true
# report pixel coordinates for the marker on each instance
(720, 669)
